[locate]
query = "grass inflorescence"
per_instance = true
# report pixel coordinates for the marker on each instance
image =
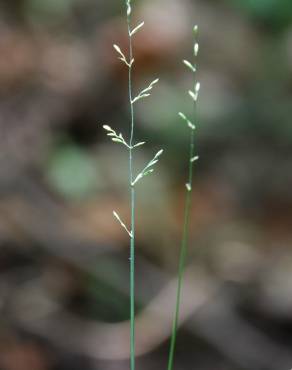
(131, 146)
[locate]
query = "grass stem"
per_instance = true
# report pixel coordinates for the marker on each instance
(186, 222)
(132, 201)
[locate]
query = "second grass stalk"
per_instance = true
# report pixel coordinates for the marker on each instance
(188, 197)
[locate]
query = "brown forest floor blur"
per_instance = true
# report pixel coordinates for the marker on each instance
(64, 260)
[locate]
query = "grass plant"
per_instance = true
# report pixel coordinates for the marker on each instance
(131, 147)
(193, 93)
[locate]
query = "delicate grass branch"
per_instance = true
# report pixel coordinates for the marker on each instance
(122, 223)
(118, 138)
(188, 197)
(122, 56)
(147, 169)
(136, 29)
(146, 92)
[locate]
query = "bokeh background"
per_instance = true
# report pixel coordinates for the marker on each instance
(63, 258)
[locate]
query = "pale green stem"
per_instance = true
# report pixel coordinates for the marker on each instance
(132, 196)
(184, 243)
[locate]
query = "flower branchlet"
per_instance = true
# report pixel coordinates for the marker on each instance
(148, 169)
(195, 94)
(136, 29)
(118, 138)
(189, 65)
(194, 159)
(122, 56)
(188, 186)
(122, 224)
(189, 122)
(146, 92)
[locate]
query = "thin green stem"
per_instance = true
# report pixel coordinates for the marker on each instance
(184, 243)
(132, 196)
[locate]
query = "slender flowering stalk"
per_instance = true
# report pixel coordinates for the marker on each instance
(133, 179)
(188, 197)
(132, 191)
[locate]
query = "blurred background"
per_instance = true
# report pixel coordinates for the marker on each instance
(63, 258)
